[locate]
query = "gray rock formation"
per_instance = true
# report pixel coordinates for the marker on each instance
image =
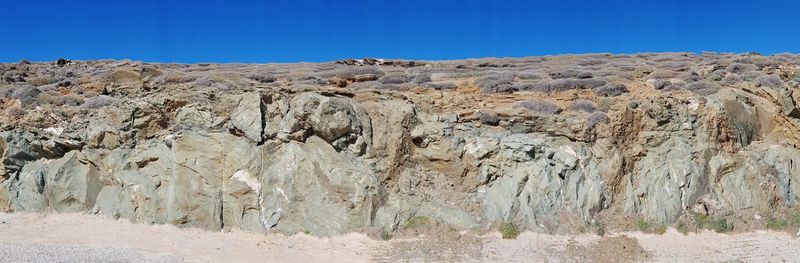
(331, 148)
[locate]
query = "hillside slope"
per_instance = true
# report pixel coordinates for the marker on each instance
(557, 144)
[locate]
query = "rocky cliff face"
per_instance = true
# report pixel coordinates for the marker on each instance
(550, 143)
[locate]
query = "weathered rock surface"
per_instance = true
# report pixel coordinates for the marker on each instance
(331, 148)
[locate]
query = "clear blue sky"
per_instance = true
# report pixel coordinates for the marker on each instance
(325, 30)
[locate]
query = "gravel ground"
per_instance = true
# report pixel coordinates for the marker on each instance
(47, 253)
(81, 238)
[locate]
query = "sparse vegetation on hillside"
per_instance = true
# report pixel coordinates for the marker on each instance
(500, 82)
(583, 105)
(610, 90)
(683, 228)
(540, 106)
(718, 224)
(596, 118)
(417, 222)
(509, 230)
(98, 102)
(642, 225)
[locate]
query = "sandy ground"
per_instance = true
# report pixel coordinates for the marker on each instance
(81, 238)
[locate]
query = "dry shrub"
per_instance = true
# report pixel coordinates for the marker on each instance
(540, 106)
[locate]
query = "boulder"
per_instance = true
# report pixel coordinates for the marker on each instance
(733, 181)
(666, 181)
(197, 192)
(309, 187)
(247, 117)
(535, 177)
(788, 103)
(335, 120)
(192, 117)
(69, 184)
(781, 165)
(23, 146)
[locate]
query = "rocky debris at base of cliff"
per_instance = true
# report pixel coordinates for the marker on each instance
(553, 144)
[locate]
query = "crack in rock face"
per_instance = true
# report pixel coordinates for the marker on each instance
(552, 144)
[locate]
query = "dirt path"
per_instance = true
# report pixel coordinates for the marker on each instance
(72, 237)
(192, 245)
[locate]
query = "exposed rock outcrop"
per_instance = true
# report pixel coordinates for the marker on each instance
(331, 148)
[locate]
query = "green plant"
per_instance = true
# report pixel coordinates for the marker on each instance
(775, 223)
(683, 229)
(719, 225)
(601, 230)
(794, 215)
(701, 220)
(417, 222)
(661, 230)
(509, 230)
(642, 224)
(385, 235)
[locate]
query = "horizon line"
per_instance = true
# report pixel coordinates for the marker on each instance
(409, 59)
